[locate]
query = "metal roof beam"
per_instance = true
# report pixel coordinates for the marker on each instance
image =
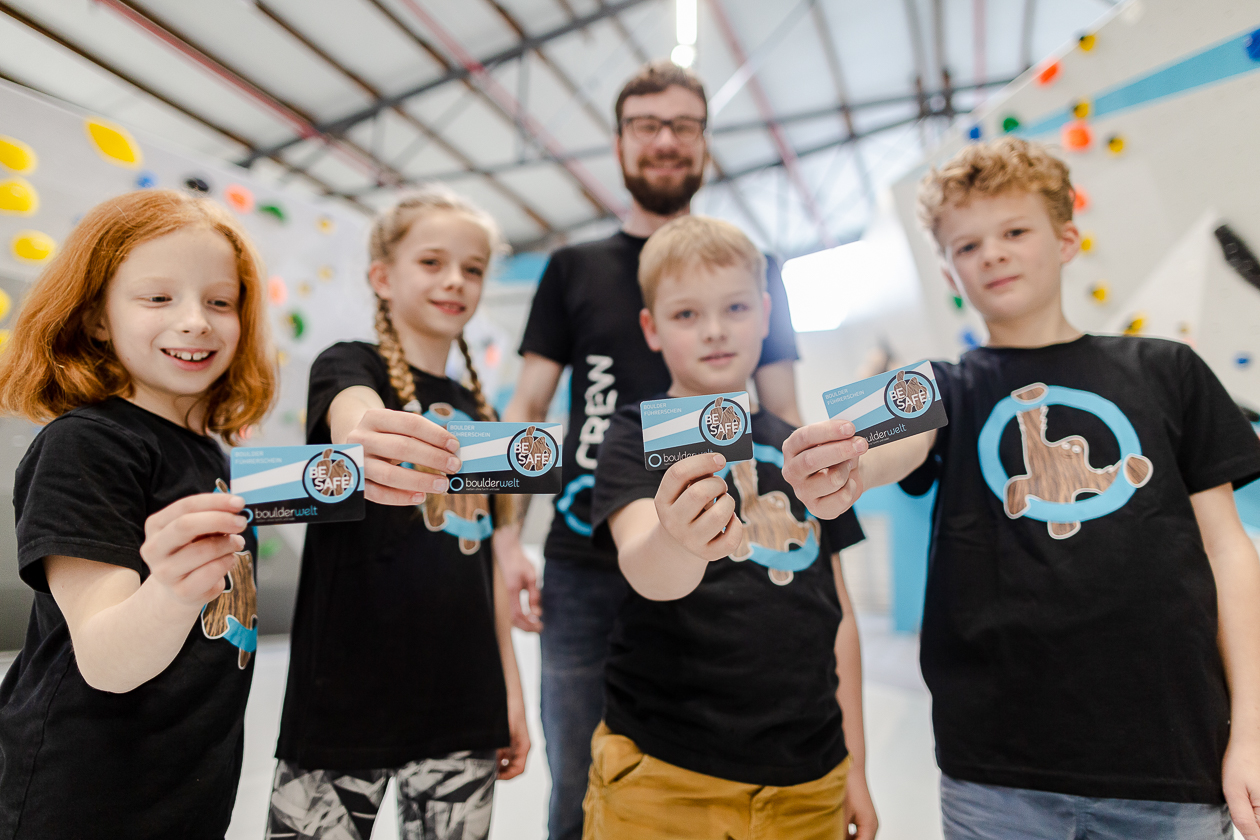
(127, 78)
(786, 153)
(468, 163)
(337, 127)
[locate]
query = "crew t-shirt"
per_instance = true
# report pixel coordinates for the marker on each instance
(586, 314)
(394, 656)
(738, 679)
(163, 759)
(1070, 626)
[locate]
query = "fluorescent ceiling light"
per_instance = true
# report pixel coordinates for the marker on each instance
(823, 287)
(684, 55)
(686, 25)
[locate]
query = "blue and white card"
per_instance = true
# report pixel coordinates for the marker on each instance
(892, 406)
(674, 429)
(300, 483)
(507, 457)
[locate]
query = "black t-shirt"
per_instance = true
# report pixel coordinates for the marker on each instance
(162, 760)
(394, 653)
(1069, 632)
(585, 314)
(737, 679)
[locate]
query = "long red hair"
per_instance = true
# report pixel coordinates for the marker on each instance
(52, 363)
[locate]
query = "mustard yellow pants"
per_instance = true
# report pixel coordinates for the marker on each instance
(632, 796)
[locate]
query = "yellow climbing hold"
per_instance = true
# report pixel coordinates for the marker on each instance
(326, 225)
(303, 289)
(18, 196)
(1081, 110)
(33, 246)
(1099, 292)
(325, 273)
(16, 155)
(1088, 42)
(1115, 144)
(6, 303)
(114, 143)
(1087, 243)
(1136, 325)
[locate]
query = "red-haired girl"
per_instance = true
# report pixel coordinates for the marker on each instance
(143, 340)
(402, 663)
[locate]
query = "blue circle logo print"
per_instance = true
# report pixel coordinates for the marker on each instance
(532, 452)
(909, 394)
(330, 477)
(1057, 472)
(723, 421)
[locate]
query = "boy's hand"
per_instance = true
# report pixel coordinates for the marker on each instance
(694, 508)
(1240, 776)
(860, 820)
(820, 461)
(390, 438)
(190, 545)
(512, 757)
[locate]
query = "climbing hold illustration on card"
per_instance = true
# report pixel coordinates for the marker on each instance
(277, 291)
(297, 324)
(1048, 73)
(1098, 292)
(16, 155)
(1115, 144)
(196, 184)
(114, 143)
(1010, 123)
(238, 198)
(32, 246)
(1087, 41)
(974, 132)
(18, 197)
(146, 180)
(275, 211)
(326, 225)
(1076, 136)
(1080, 199)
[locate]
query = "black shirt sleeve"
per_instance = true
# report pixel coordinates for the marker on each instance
(621, 477)
(340, 367)
(80, 492)
(843, 531)
(1217, 444)
(780, 344)
(548, 332)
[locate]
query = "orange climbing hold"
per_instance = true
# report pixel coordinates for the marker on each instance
(1048, 73)
(277, 291)
(239, 198)
(1080, 199)
(1076, 136)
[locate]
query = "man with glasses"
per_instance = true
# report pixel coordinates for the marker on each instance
(585, 315)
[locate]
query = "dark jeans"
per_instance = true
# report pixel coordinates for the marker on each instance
(579, 606)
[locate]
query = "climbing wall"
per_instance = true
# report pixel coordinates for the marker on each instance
(1157, 111)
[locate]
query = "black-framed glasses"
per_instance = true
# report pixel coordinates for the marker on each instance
(645, 129)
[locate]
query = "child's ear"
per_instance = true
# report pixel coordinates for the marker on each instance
(1069, 242)
(648, 323)
(98, 328)
(378, 279)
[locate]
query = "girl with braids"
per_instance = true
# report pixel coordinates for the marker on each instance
(402, 663)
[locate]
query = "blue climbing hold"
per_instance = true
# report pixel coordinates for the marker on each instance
(974, 133)
(1243, 360)
(1253, 45)
(146, 180)
(969, 340)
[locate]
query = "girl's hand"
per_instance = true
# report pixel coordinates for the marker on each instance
(694, 508)
(512, 757)
(860, 820)
(391, 438)
(1240, 776)
(190, 546)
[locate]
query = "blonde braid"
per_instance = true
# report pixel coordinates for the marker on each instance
(484, 411)
(391, 351)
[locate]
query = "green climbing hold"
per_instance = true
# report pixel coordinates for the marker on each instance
(958, 302)
(268, 548)
(1010, 124)
(297, 323)
(274, 210)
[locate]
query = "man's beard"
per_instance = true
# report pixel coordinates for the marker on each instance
(663, 201)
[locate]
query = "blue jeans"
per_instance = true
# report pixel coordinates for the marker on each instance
(971, 811)
(579, 606)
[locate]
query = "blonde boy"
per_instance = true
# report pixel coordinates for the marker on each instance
(1090, 634)
(721, 717)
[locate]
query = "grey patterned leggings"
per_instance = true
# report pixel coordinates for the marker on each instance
(446, 798)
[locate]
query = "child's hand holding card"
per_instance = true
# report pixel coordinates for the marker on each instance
(892, 406)
(507, 457)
